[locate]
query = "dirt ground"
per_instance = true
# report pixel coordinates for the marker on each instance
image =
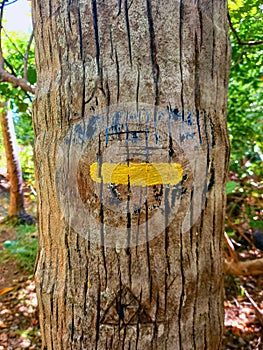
(19, 327)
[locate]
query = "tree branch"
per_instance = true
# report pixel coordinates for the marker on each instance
(230, 247)
(1, 20)
(239, 41)
(27, 54)
(244, 268)
(10, 67)
(22, 83)
(239, 231)
(7, 77)
(258, 311)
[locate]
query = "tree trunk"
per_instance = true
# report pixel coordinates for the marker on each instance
(16, 207)
(131, 159)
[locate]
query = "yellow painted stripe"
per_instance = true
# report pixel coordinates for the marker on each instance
(139, 174)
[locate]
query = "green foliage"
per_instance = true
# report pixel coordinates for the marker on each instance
(245, 104)
(246, 15)
(14, 47)
(231, 186)
(24, 248)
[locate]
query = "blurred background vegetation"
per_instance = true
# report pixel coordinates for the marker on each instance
(245, 94)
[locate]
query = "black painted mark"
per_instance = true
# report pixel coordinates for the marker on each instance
(125, 309)
(174, 113)
(133, 133)
(189, 119)
(186, 136)
(114, 191)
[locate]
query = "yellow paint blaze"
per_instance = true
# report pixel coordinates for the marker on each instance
(138, 174)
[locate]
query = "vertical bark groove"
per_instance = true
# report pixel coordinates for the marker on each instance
(153, 51)
(181, 54)
(96, 34)
(128, 29)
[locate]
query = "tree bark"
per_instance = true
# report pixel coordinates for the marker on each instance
(130, 257)
(16, 207)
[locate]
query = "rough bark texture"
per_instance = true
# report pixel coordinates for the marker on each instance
(168, 292)
(16, 207)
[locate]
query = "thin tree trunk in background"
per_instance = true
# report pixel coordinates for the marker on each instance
(16, 207)
(130, 257)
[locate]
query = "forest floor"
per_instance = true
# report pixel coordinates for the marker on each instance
(19, 326)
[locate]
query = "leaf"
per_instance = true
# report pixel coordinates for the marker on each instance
(231, 186)
(32, 76)
(22, 107)
(6, 290)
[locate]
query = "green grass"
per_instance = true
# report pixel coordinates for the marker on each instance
(25, 247)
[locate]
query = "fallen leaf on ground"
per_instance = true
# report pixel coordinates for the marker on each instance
(6, 290)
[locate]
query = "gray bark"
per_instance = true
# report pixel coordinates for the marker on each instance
(167, 63)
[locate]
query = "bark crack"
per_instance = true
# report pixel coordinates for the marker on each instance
(181, 55)
(126, 9)
(214, 42)
(98, 311)
(119, 7)
(117, 76)
(153, 52)
(83, 66)
(180, 311)
(96, 33)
